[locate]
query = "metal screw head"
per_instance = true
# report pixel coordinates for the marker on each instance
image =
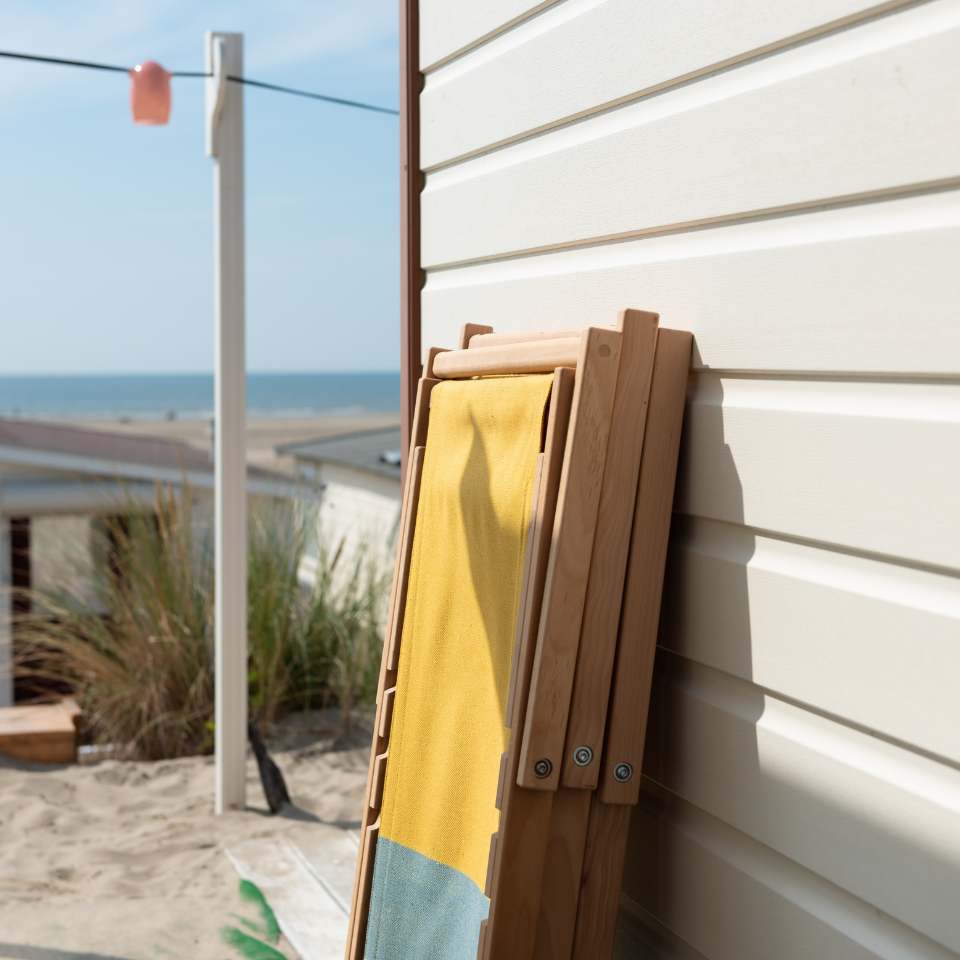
(622, 772)
(582, 756)
(542, 768)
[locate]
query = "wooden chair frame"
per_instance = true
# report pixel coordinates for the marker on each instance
(564, 807)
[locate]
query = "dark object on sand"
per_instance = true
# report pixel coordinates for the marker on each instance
(270, 775)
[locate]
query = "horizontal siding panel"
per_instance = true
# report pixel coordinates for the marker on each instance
(732, 898)
(867, 288)
(879, 821)
(854, 113)
(867, 466)
(448, 26)
(874, 643)
(472, 103)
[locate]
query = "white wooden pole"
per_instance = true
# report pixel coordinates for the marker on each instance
(224, 109)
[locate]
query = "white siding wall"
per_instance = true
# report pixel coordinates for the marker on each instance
(782, 179)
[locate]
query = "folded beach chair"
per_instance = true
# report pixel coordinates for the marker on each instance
(513, 688)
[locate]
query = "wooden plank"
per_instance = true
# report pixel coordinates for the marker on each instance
(560, 893)
(640, 612)
(523, 336)
(774, 612)
(823, 291)
(602, 877)
(525, 814)
(735, 144)
(360, 910)
(432, 354)
(408, 527)
(42, 733)
(867, 466)
(868, 816)
(470, 330)
(473, 104)
(534, 357)
(608, 564)
(379, 778)
(566, 584)
(386, 713)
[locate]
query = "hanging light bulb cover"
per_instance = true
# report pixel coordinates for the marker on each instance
(150, 95)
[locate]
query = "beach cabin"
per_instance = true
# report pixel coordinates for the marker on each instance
(357, 476)
(782, 180)
(57, 482)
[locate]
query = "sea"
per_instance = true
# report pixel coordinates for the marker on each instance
(190, 396)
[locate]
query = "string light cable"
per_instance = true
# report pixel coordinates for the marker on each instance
(89, 65)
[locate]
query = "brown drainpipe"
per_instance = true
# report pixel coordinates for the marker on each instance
(411, 276)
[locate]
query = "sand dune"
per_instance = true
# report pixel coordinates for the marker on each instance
(125, 860)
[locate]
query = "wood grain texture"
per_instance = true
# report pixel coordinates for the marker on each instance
(603, 859)
(734, 144)
(727, 895)
(867, 466)
(470, 330)
(525, 814)
(871, 817)
(533, 357)
(524, 336)
(569, 817)
(838, 283)
(640, 612)
(608, 563)
(774, 612)
(570, 550)
(472, 104)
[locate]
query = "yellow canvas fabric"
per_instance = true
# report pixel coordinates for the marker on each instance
(466, 570)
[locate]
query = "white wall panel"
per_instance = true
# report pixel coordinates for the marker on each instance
(471, 103)
(875, 819)
(868, 466)
(795, 293)
(449, 26)
(859, 112)
(793, 619)
(732, 898)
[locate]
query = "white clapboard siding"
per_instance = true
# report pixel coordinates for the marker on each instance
(866, 288)
(855, 113)
(867, 466)
(733, 898)
(792, 618)
(471, 103)
(449, 26)
(870, 817)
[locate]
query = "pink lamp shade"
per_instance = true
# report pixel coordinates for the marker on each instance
(150, 96)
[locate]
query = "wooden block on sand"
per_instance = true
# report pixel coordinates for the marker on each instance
(43, 733)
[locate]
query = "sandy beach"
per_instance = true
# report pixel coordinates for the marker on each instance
(126, 860)
(263, 435)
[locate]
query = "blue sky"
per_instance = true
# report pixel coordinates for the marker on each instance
(106, 248)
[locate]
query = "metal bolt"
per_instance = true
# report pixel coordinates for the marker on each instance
(622, 772)
(582, 756)
(542, 768)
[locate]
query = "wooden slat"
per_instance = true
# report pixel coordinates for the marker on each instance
(473, 103)
(525, 814)
(879, 625)
(386, 713)
(560, 893)
(523, 336)
(432, 354)
(470, 330)
(566, 585)
(732, 145)
(630, 693)
(608, 564)
(408, 529)
(361, 887)
(379, 778)
(534, 357)
(602, 876)
(823, 291)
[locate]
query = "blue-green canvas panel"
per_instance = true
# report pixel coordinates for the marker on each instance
(421, 909)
